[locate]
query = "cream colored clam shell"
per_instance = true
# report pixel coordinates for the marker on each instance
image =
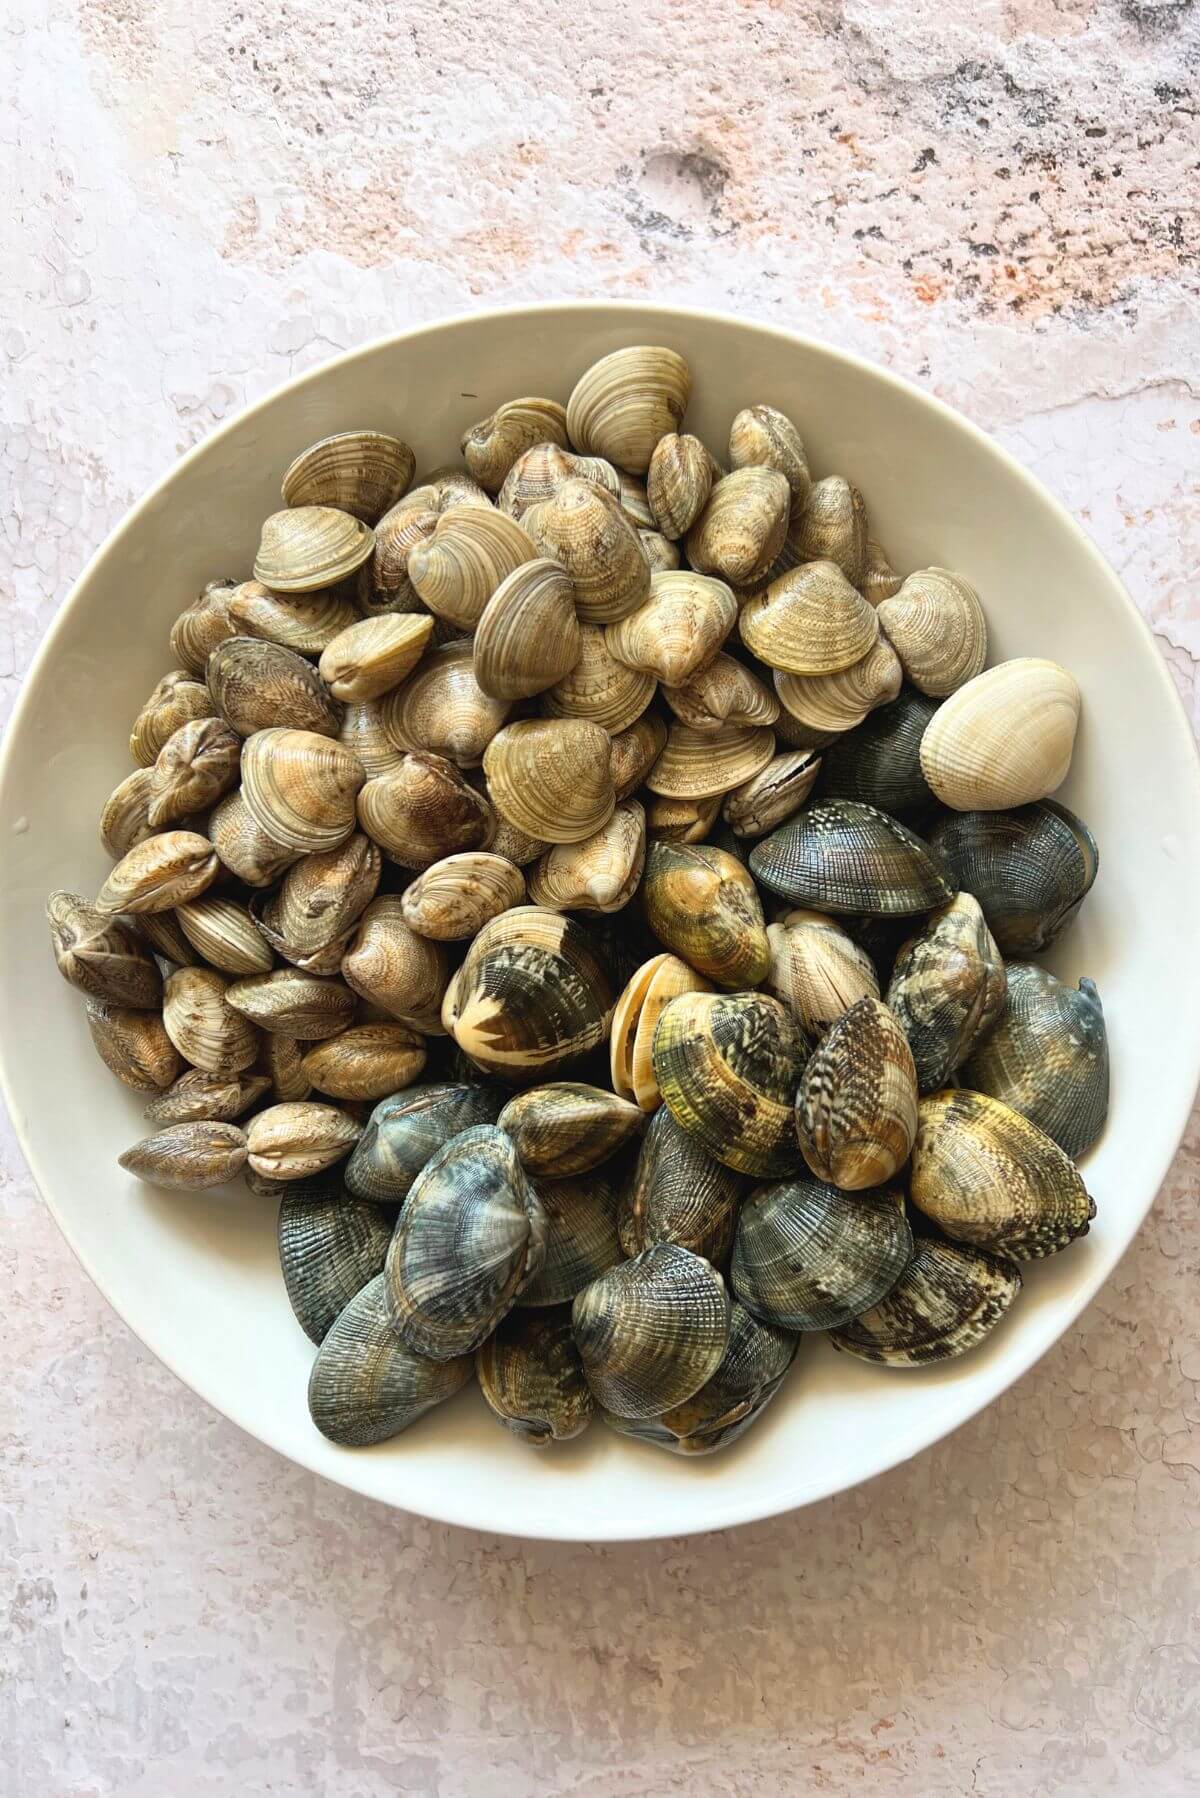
(305, 622)
(125, 819)
(159, 873)
(365, 734)
(457, 896)
(202, 1024)
(598, 687)
(672, 820)
(831, 526)
(723, 692)
(310, 546)
(383, 583)
(742, 527)
(598, 874)
(472, 550)
(391, 966)
(623, 404)
(831, 703)
(679, 628)
(587, 532)
(300, 788)
(245, 848)
(373, 655)
(368, 1061)
(551, 777)
(528, 637)
(295, 1141)
(201, 626)
(635, 1018)
(817, 970)
(491, 447)
(662, 555)
(935, 624)
(700, 764)
(1005, 738)
(441, 707)
(762, 437)
(225, 934)
(361, 472)
(809, 621)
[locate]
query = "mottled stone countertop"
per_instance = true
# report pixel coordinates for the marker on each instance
(997, 199)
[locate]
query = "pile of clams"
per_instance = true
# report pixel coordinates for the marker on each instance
(597, 897)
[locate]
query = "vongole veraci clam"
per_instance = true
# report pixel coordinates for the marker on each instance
(576, 887)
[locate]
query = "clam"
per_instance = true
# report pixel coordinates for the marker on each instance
(387, 964)
(947, 989)
(291, 1002)
(515, 845)
(491, 447)
(678, 482)
(830, 704)
(163, 932)
(425, 810)
(295, 1141)
(678, 629)
(383, 583)
(531, 1377)
(188, 1157)
(722, 693)
(528, 636)
(662, 555)
(634, 751)
(566, 1127)
(367, 1061)
(125, 820)
(178, 698)
(531, 998)
(198, 1097)
(201, 626)
(540, 471)
(623, 404)
(195, 765)
(160, 873)
(880, 580)
(443, 710)
(742, 526)
(330, 1247)
(365, 734)
(987, 1176)
(634, 501)
(470, 1235)
(1030, 869)
(256, 685)
(133, 1045)
(454, 486)
(816, 970)
(944, 1303)
(635, 1019)
(701, 903)
(309, 917)
(845, 857)
(598, 874)
(281, 1059)
(472, 552)
(300, 788)
(856, 1110)
(360, 472)
(224, 933)
(598, 688)
(652, 1331)
(454, 898)
(761, 437)
(810, 1257)
(204, 1026)
(310, 546)
(831, 526)
(727, 1065)
(772, 794)
(935, 624)
(1047, 1057)
(581, 1238)
(373, 655)
(367, 1385)
(305, 622)
(1003, 739)
(551, 777)
(405, 1130)
(880, 762)
(244, 847)
(679, 1194)
(705, 764)
(100, 955)
(586, 531)
(681, 820)
(810, 620)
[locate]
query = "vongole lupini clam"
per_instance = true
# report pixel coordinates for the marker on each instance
(577, 887)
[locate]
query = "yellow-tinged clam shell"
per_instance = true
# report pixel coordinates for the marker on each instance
(742, 527)
(635, 1019)
(392, 967)
(723, 692)
(300, 788)
(295, 1141)
(598, 687)
(293, 1002)
(880, 580)
(455, 898)
(492, 446)
(133, 1045)
(856, 1110)
(831, 526)
(817, 970)
(125, 820)
(528, 637)
(373, 655)
(472, 550)
(678, 629)
(772, 794)
(761, 437)
(586, 531)
(195, 765)
(551, 777)
(935, 624)
(383, 583)
(827, 704)
(202, 625)
(623, 404)
(681, 820)
(310, 546)
(159, 873)
(678, 482)
(203, 1025)
(566, 1127)
(727, 1066)
(601, 873)
(259, 686)
(365, 734)
(225, 934)
(701, 903)
(305, 622)
(1005, 738)
(425, 810)
(360, 472)
(244, 847)
(177, 698)
(634, 751)
(443, 709)
(699, 764)
(809, 621)
(368, 1061)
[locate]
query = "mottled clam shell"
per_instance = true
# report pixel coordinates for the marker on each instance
(177, 698)
(652, 1331)
(310, 546)
(741, 528)
(722, 693)
(935, 624)
(294, 1141)
(817, 970)
(318, 902)
(531, 1377)
(599, 688)
(188, 1157)
(406, 1130)
(195, 765)
(831, 526)
(305, 622)
(366, 1384)
(773, 794)
(425, 810)
(281, 1059)
(391, 966)
(727, 1066)
(842, 856)
(1030, 869)
(225, 935)
(1047, 1057)
(585, 530)
(292, 1002)
(947, 989)
(367, 1061)
(257, 685)
(204, 1025)
(623, 404)
(679, 1194)
(662, 555)
(567, 1127)
(330, 1247)
(810, 620)
(945, 1302)
(635, 1019)
(551, 777)
(125, 819)
(701, 903)
(856, 1108)
(453, 900)
(133, 1045)
(633, 753)
(360, 472)
(1005, 738)
(528, 637)
(762, 437)
(516, 845)
(678, 482)
(202, 625)
(599, 874)
(100, 955)
(160, 873)
(197, 1097)
(879, 762)
(491, 447)
(678, 628)
(810, 1257)
(581, 1237)
(373, 655)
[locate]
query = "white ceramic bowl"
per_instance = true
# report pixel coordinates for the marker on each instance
(197, 1278)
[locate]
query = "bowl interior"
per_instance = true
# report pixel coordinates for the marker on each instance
(197, 1278)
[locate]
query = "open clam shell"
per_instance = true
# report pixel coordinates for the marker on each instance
(727, 1066)
(652, 1331)
(1047, 1057)
(773, 794)
(842, 856)
(635, 1019)
(701, 903)
(532, 1379)
(945, 1302)
(856, 1108)
(368, 1385)
(1030, 869)
(360, 472)
(407, 1129)
(808, 1256)
(567, 1127)
(679, 1194)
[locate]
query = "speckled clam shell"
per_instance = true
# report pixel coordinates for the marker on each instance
(491, 447)
(651, 1331)
(454, 485)
(531, 1377)
(406, 1129)
(455, 897)
(946, 1301)
(551, 777)
(201, 626)
(845, 857)
(879, 763)
(391, 966)
(540, 471)
(258, 686)
(472, 552)
(856, 1107)
(133, 1045)
(516, 846)
(678, 1193)
(100, 955)
(188, 1157)
(330, 1247)
(741, 528)
(987, 1176)
(598, 688)
(833, 703)
(566, 1127)
(425, 810)
(178, 698)
(198, 1096)
(470, 1235)
(947, 989)
(678, 629)
(296, 1141)
(383, 583)
(125, 819)
(705, 764)
(367, 1061)
(662, 555)
(371, 656)
(305, 622)
(809, 621)
(442, 709)
(1005, 738)
(244, 847)
(623, 404)
(1030, 869)
(831, 526)
(528, 636)
(935, 624)
(160, 873)
(635, 1018)
(208, 1031)
(581, 1237)
(678, 482)
(810, 1257)
(292, 1002)
(727, 1066)
(816, 969)
(701, 903)
(1047, 1057)
(585, 530)
(762, 437)
(300, 788)
(310, 546)
(366, 1384)
(633, 753)
(722, 693)
(195, 766)
(773, 794)
(880, 580)
(360, 472)
(599, 874)
(318, 902)
(671, 820)
(225, 935)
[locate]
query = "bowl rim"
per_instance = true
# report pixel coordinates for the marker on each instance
(720, 1514)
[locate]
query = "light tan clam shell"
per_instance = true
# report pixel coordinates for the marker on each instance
(551, 777)
(177, 698)
(741, 530)
(936, 625)
(394, 968)
(1005, 738)
(828, 704)
(205, 1028)
(516, 846)
(160, 873)
(492, 446)
(295, 1141)
(456, 897)
(365, 734)
(831, 526)
(698, 764)
(634, 751)
(125, 820)
(598, 687)
(772, 794)
(383, 583)
(586, 531)
(300, 788)
(195, 765)
(368, 1061)
(817, 970)
(163, 932)
(202, 625)
(456, 486)
(599, 874)
(197, 1096)
(244, 847)
(360, 472)
(540, 472)
(678, 629)
(225, 934)
(425, 810)
(762, 437)
(678, 482)
(309, 918)
(670, 820)
(635, 1018)
(101, 955)
(188, 1157)
(305, 622)
(809, 621)
(373, 655)
(472, 550)
(133, 1045)
(258, 685)
(310, 546)
(623, 404)
(634, 501)
(281, 1059)
(880, 580)
(662, 555)
(528, 637)
(443, 709)
(856, 1111)
(292, 1002)
(724, 692)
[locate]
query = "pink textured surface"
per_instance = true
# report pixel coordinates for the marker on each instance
(997, 199)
